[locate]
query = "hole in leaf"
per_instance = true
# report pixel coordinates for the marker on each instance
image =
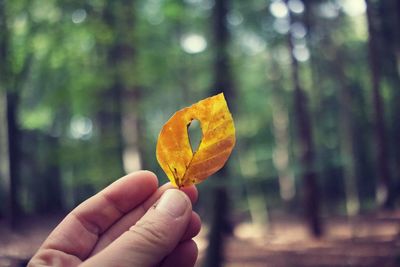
(195, 135)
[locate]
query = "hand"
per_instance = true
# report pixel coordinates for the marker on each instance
(126, 224)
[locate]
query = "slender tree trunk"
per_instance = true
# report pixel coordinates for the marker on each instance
(306, 151)
(119, 16)
(14, 154)
(222, 83)
(256, 199)
(52, 175)
(134, 151)
(280, 118)
(281, 157)
(382, 156)
(346, 139)
(110, 127)
(11, 104)
(4, 155)
(310, 21)
(4, 159)
(390, 24)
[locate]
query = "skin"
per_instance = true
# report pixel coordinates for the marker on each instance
(124, 225)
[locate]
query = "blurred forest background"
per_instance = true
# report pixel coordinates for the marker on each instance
(314, 88)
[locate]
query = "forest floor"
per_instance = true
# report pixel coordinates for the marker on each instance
(368, 240)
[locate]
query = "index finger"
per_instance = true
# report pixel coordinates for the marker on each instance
(134, 215)
(78, 233)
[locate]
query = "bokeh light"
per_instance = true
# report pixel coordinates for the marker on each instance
(296, 6)
(193, 43)
(278, 9)
(353, 8)
(301, 52)
(78, 16)
(81, 127)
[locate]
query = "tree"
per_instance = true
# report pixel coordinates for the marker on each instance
(119, 53)
(346, 137)
(390, 56)
(11, 103)
(306, 145)
(4, 155)
(384, 192)
(222, 83)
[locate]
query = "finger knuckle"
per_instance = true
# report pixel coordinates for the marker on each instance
(152, 233)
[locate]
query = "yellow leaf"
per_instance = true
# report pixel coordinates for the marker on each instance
(183, 166)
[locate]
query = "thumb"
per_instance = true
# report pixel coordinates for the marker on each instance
(152, 238)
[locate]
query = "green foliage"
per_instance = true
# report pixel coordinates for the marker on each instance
(64, 67)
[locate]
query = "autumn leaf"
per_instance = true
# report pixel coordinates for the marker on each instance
(183, 166)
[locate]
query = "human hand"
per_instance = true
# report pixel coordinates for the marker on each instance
(126, 224)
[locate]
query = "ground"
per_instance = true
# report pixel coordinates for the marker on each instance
(368, 240)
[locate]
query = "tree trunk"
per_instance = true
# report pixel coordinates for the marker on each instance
(215, 249)
(390, 24)
(4, 155)
(306, 146)
(4, 160)
(346, 138)
(14, 154)
(222, 83)
(118, 15)
(310, 21)
(280, 118)
(110, 127)
(134, 150)
(382, 157)
(11, 104)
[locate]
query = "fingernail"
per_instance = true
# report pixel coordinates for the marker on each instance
(173, 202)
